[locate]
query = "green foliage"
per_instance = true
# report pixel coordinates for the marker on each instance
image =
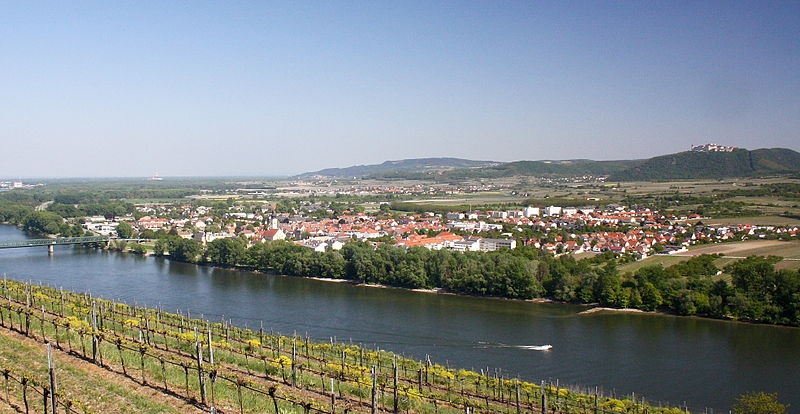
(763, 293)
(227, 252)
(13, 213)
(789, 191)
(543, 168)
(124, 230)
(179, 249)
(700, 165)
(108, 209)
(758, 403)
(43, 222)
(698, 266)
(137, 248)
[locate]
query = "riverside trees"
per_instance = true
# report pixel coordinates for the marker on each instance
(756, 291)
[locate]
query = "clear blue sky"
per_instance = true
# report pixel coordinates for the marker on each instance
(131, 88)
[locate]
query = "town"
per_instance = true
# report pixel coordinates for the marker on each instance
(639, 232)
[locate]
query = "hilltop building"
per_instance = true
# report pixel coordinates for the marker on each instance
(710, 147)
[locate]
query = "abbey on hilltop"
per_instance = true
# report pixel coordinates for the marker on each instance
(712, 148)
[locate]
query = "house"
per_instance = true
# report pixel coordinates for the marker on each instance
(569, 211)
(208, 237)
(150, 223)
(273, 234)
(455, 216)
(315, 245)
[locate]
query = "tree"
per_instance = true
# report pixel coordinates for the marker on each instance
(43, 222)
(227, 252)
(180, 249)
(137, 248)
(607, 289)
(758, 403)
(651, 297)
(124, 230)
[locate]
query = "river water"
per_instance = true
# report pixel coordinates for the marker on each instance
(697, 362)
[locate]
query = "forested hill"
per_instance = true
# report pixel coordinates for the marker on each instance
(565, 168)
(711, 165)
(680, 166)
(401, 168)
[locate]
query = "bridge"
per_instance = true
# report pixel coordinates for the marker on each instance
(49, 243)
(52, 242)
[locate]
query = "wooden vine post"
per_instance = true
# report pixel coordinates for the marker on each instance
(25, 393)
(94, 332)
(374, 390)
(394, 369)
(294, 362)
(544, 400)
(210, 348)
(200, 377)
(333, 399)
(51, 370)
(142, 352)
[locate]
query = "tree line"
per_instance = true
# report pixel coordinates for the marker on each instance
(750, 289)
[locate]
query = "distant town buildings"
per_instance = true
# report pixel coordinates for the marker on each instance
(11, 185)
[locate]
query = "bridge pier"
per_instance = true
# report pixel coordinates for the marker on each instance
(50, 250)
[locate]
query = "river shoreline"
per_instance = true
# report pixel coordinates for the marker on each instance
(605, 309)
(591, 307)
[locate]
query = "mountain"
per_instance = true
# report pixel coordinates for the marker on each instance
(564, 168)
(712, 165)
(400, 168)
(686, 165)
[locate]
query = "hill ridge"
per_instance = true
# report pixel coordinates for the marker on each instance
(677, 166)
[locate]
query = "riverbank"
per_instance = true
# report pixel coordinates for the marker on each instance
(437, 291)
(604, 309)
(591, 307)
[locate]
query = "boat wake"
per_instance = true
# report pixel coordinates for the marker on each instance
(529, 347)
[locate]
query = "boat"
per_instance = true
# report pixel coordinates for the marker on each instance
(537, 347)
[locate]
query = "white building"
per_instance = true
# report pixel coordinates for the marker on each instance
(552, 211)
(102, 228)
(569, 211)
(208, 237)
(490, 245)
(530, 211)
(466, 245)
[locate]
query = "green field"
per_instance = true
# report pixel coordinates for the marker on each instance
(789, 250)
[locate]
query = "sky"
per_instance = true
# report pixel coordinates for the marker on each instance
(264, 88)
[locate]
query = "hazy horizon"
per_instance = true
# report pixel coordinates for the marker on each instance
(260, 89)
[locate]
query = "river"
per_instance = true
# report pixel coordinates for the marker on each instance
(702, 363)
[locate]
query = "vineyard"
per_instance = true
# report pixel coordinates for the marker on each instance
(220, 368)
